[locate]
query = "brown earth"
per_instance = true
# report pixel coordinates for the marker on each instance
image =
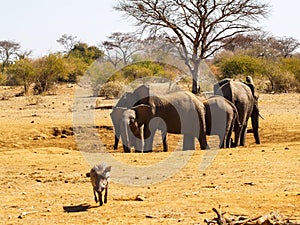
(43, 173)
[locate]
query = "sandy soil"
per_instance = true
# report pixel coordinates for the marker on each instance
(43, 173)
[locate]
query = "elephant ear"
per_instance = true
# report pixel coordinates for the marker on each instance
(117, 113)
(253, 91)
(143, 113)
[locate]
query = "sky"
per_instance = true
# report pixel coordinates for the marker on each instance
(37, 24)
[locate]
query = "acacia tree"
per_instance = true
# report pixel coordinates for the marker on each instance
(68, 42)
(120, 47)
(8, 52)
(195, 27)
(263, 44)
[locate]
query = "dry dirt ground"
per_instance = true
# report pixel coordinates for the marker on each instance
(43, 173)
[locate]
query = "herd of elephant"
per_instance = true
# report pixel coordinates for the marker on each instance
(139, 114)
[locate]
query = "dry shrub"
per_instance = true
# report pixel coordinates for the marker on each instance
(111, 89)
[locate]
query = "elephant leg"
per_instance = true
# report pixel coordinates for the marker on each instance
(116, 142)
(149, 137)
(202, 141)
(237, 135)
(164, 139)
(228, 137)
(256, 136)
(243, 136)
(188, 142)
(223, 140)
(149, 144)
(255, 126)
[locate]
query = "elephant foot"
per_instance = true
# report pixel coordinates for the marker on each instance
(148, 151)
(126, 149)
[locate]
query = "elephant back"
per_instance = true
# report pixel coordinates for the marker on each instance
(241, 96)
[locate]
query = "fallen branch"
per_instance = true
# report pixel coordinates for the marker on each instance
(21, 216)
(267, 219)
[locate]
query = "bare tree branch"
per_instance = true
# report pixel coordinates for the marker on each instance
(198, 25)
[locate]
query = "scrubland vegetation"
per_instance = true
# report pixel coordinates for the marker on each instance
(272, 62)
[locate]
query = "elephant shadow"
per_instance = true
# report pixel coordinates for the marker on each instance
(78, 208)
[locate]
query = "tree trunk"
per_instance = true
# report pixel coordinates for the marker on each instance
(195, 89)
(195, 73)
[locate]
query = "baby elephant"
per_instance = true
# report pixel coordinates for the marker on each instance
(221, 117)
(99, 178)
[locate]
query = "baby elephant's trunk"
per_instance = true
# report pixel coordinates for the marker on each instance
(99, 175)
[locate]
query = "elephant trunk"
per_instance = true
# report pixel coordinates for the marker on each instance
(125, 136)
(255, 125)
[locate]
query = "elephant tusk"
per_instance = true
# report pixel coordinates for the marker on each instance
(261, 116)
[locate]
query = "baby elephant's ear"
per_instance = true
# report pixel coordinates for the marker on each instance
(117, 112)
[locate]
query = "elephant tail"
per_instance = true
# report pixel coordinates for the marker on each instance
(236, 117)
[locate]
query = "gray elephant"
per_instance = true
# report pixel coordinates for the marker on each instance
(244, 97)
(177, 113)
(139, 96)
(221, 117)
(116, 115)
(119, 116)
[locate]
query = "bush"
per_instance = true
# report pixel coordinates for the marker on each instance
(280, 79)
(134, 72)
(111, 89)
(292, 65)
(240, 65)
(75, 68)
(22, 73)
(49, 69)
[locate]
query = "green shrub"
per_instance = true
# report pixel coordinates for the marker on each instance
(292, 65)
(22, 73)
(49, 68)
(240, 65)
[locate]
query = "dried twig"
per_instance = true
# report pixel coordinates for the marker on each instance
(21, 216)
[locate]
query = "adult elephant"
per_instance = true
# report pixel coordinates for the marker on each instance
(221, 117)
(125, 102)
(177, 113)
(139, 96)
(244, 97)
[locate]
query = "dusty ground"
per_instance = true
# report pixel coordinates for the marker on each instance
(44, 174)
